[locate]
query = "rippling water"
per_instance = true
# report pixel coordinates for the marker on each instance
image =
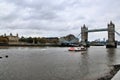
(50, 63)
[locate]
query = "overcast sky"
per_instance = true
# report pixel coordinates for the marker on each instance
(56, 18)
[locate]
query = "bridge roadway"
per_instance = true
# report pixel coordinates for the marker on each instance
(97, 30)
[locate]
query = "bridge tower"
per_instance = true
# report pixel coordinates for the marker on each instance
(84, 35)
(111, 43)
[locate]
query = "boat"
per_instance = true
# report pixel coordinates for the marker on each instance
(77, 48)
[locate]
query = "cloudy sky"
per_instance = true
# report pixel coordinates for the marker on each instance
(57, 17)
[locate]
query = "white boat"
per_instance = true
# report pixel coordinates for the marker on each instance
(77, 48)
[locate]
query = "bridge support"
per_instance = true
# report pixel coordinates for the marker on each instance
(84, 36)
(111, 43)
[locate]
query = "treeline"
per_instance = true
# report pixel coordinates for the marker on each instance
(38, 40)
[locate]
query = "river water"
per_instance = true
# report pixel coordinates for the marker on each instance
(56, 63)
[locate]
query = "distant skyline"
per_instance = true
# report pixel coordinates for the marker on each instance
(57, 18)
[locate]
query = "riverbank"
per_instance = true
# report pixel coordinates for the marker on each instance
(111, 74)
(30, 45)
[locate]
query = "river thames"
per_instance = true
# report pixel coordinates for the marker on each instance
(56, 63)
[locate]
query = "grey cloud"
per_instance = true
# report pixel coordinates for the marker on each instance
(58, 17)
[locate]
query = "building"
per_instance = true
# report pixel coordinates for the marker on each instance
(12, 39)
(68, 40)
(3, 40)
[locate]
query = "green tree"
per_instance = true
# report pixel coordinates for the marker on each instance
(29, 40)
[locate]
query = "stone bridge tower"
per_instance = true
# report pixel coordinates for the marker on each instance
(111, 36)
(84, 35)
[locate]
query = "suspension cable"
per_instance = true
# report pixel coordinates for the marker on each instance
(117, 33)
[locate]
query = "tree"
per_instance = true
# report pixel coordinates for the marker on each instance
(29, 40)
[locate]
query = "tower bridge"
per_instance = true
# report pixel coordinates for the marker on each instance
(111, 35)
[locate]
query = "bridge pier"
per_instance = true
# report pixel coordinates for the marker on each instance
(111, 43)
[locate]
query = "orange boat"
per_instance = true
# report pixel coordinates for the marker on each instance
(77, 48)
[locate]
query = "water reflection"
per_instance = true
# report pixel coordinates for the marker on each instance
(111, 53)
(84, 63)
